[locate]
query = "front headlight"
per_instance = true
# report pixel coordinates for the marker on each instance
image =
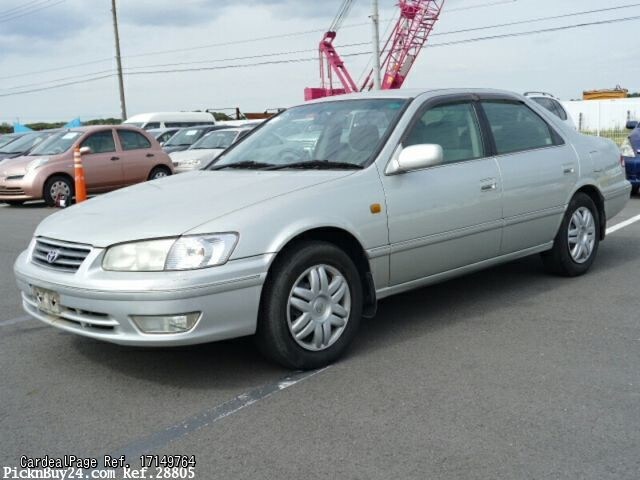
(38, 162)
(182, 253)
(626, 149)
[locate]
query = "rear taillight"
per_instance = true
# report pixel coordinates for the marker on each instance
(622, 164)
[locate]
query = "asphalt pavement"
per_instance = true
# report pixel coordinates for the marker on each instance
(508, 373)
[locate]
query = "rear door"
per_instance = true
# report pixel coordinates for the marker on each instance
(138, 156)
(102, 167)
(539, 170)
(450, 215)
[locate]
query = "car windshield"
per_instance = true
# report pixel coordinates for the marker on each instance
(338, 133)
(216, 139)
(56, 144)
(6, 139)
(25, 142)
(186, 136)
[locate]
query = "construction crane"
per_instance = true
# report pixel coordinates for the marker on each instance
(410, 33)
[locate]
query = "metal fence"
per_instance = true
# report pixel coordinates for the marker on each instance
(604, 118)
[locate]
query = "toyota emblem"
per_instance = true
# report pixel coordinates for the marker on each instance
(52, 256)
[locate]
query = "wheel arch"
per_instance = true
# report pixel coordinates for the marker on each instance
(598, 199)
(347, 242)
(162, 166)
(57, 174)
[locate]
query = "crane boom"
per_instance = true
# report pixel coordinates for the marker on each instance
(411, 31)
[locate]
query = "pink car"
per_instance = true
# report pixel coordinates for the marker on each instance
(117, 156)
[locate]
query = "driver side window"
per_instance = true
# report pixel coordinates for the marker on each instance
(100, 142)
(454, 127)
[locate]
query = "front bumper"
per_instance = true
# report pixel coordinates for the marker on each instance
(99, 304)
(632, 169)
(180, 168)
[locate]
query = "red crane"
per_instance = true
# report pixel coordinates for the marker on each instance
(411, 31)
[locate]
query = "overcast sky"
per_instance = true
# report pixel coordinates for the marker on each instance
(69, 32)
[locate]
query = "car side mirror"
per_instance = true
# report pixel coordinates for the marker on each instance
(85, 150)
(416, 157)
(631, 124)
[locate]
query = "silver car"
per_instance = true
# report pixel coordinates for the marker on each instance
(401, 189)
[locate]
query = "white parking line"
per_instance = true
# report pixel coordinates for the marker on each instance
(626, 223)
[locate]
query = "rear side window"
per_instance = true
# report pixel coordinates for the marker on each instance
(151, 125)
(560, 109)
(100, 142)
(516, 127)
(454, 127)
(132, 140)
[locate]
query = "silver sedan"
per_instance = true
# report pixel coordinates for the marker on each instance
(295, 241)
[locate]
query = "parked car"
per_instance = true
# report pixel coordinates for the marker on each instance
(630, 150)
(206, 149)
(117, 156)
(296, 246)
(552, 104)
(150, 121)
(24, 143)
(186, 137)
(162, 135)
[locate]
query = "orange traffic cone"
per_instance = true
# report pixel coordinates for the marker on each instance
(81, 187)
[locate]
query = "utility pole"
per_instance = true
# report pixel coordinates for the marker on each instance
(123, 106)
(375, 23)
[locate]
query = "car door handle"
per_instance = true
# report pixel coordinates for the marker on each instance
(568, 168)
(488, 185)
(149, 155)
(115, 158)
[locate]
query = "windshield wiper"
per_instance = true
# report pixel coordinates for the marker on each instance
(248, 164)
(319, 165)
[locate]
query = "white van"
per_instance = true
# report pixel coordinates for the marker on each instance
(170, 119)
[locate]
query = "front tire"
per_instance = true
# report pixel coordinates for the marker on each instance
(55, 186)
(159, 172)
(311, 306)
(635, 189)
(576, 244)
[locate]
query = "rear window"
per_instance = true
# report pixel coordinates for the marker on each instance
(132, 140)
(517, 128)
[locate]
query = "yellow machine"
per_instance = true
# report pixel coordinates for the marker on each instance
(606, 94)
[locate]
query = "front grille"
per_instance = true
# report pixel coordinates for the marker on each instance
(59, 255)
(8, 191)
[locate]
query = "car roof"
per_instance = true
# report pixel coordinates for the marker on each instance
(408, 93)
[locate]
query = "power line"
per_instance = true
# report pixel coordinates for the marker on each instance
(228, 43)
(29, 12)
(280, 53)
(20, 7)
(298, 60)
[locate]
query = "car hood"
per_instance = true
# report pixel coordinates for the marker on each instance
(4, 156)
(201, 154)
(174, 148)
(17, 165)
(174, 205)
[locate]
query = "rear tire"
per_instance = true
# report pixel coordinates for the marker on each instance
(159, 172)
(635, 189)
(57, 185)
(311, 306)
(576, 244)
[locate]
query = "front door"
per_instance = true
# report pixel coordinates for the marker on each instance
(444, 217)
(102, 165)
